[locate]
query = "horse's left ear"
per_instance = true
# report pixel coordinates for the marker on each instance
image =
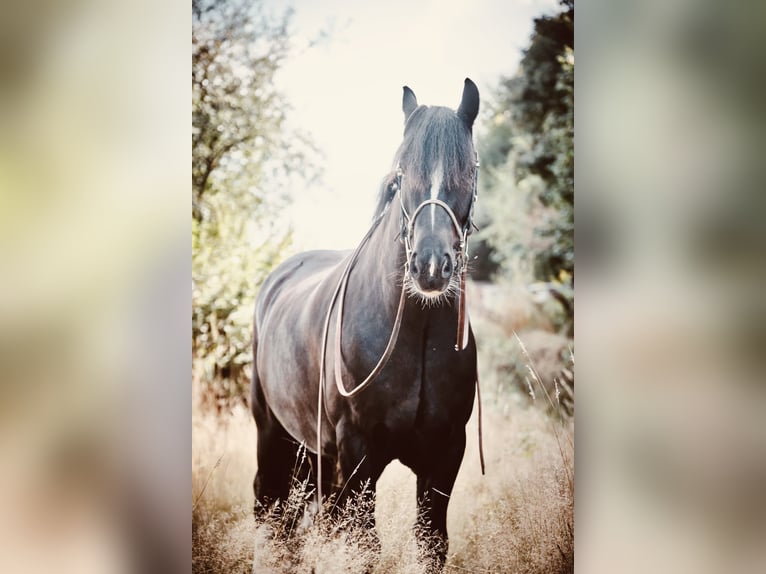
(469, 104)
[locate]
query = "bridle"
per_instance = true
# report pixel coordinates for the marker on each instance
(408, 221)
(408, 226)
(408, 230)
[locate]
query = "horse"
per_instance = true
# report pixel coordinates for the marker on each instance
(382, 322)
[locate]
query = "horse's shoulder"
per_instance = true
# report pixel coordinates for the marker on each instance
(319, 257)
(293, 272)
(305, 263)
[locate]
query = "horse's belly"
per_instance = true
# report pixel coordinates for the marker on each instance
(287, 350)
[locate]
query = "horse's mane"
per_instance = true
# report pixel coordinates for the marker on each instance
(431, 135)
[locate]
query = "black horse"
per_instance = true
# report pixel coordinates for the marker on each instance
(400, 297)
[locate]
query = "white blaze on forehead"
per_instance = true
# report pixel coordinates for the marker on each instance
(437, 177)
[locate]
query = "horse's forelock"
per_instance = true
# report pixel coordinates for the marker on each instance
(433, 136)
(436, 136)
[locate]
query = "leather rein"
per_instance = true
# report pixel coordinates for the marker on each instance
(408, 226)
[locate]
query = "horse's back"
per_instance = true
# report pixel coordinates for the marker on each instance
(294, 279)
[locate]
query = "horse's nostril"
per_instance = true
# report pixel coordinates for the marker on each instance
(414, 268)
(446, 266)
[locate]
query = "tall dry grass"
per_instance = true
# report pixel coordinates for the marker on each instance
(518, 518)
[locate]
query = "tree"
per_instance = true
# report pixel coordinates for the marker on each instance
(241, 153)
(528, 158)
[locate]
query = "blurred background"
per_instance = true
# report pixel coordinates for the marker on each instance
(94, 261)
(670, 245)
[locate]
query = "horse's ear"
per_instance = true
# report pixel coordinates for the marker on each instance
(469, 104)
(409, 102)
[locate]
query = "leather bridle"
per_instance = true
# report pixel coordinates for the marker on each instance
(408, 226)
(408, 221)
(408, 230)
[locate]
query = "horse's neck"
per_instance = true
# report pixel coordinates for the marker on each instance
(373, 300)
(379, 273)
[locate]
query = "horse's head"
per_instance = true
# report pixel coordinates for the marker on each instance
(436, 166)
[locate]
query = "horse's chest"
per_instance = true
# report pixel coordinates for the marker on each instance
(422, 398)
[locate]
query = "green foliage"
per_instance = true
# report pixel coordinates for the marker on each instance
(227, 270)
(528, 159)
(241, 153)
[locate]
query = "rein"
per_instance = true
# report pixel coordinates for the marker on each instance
(340, 294)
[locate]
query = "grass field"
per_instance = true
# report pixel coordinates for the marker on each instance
(517, 518)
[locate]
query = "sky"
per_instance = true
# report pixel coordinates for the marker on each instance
(346, 90)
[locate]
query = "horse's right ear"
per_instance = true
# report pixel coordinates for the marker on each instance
(409, 102)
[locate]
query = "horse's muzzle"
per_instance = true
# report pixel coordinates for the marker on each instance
(431, 272)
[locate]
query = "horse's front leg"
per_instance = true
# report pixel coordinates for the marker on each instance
(435, 481)
(360, 467)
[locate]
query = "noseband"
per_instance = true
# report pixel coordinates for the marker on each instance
(408, 222)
